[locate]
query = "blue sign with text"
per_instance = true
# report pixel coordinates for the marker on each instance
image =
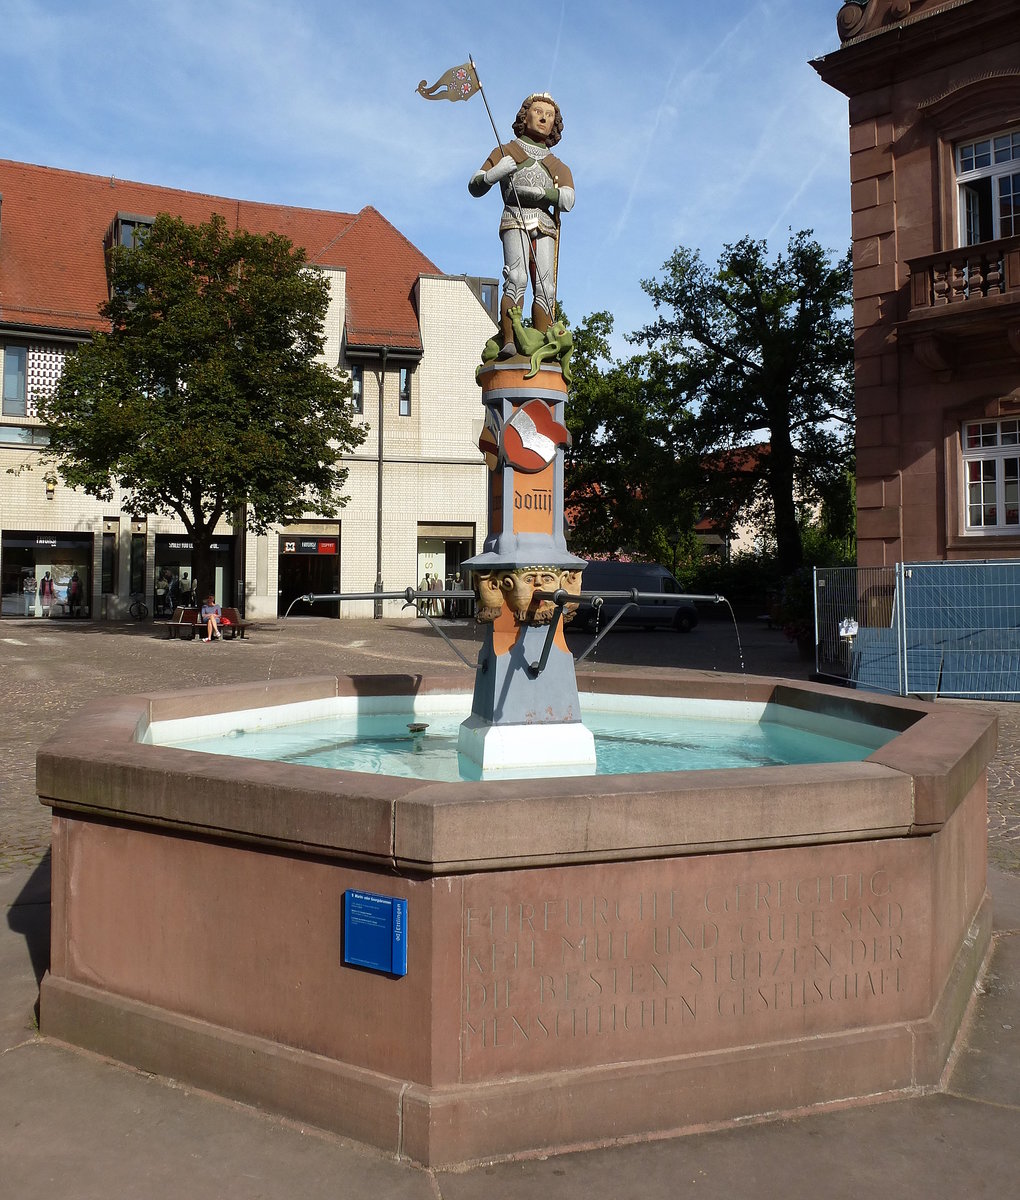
(375, 931)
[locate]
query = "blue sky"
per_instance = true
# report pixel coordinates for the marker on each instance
(685, 123)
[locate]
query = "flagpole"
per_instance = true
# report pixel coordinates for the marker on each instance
(525, 239)
(556, 262)
(485, 101)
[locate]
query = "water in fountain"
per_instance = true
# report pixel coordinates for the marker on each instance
(632, 735)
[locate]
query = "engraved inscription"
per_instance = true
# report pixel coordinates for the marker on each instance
(679, 964)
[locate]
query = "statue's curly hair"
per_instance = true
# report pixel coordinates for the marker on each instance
(519, 120)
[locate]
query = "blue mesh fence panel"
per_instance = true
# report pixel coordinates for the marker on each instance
(948, 629)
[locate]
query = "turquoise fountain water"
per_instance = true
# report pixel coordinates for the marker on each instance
(419, 740)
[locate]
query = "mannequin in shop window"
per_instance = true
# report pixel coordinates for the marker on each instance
(162, 592)
(74, 595)
(47, 593)
(29, 588)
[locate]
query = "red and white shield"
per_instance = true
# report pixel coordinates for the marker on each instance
(488, 443)
(531, 437)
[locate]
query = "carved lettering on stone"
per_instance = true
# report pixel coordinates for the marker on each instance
(602, 977)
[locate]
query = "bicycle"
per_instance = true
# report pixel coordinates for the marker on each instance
(139, 609)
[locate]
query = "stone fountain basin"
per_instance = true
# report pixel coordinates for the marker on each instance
(589, 959)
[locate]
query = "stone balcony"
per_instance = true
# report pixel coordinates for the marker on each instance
(965, 305)
(989, 271)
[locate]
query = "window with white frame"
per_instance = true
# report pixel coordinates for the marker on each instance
(404, 408)
(991, 465)
(15, 399)
(357, 388)
(988, 176)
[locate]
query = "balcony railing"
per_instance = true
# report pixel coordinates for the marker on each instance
(965, 275)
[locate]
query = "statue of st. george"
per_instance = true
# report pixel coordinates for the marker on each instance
(536, 188)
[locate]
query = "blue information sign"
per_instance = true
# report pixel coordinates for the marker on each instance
(375, 931)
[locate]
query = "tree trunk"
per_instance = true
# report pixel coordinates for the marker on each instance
(202, 571)
(789, 552)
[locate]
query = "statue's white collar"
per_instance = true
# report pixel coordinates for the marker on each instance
(533, 149)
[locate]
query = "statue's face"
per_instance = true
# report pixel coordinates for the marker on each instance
(538, 123)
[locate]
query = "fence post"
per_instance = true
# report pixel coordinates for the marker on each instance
(900, 616)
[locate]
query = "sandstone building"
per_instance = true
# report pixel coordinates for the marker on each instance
(934, 105)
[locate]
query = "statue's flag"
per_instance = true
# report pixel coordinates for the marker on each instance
(460, 83)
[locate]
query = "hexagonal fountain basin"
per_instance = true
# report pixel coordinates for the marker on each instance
(588, 959)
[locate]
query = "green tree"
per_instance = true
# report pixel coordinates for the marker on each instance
(206, 400)
(629, 488)
(762, 350)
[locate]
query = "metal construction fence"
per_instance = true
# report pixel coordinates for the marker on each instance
(923, 629)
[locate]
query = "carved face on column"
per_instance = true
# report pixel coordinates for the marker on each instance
(517, 590)
(490, 596)
(534, 579)
(570, 581)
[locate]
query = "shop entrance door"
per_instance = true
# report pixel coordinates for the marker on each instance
(308, 565)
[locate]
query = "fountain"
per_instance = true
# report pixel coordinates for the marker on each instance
(468, 969)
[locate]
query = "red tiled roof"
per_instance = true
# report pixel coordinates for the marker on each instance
(53, 274)
(743, 459)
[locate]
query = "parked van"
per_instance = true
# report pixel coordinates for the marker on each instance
(668, 607)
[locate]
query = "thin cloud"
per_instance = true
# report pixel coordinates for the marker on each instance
(556, 48)
(684, 123)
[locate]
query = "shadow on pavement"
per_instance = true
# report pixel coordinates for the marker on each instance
(29, 916)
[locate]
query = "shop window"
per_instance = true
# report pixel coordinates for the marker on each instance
(138, 563)
(988, 177)
(404, 407)
(357, 388)
(14, 400)
(110, 564)
(991, 471)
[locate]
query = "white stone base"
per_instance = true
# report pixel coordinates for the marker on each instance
(569, 747)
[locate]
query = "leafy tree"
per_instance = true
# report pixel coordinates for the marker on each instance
(205, 399)
(762, 350)
(838, 515)
(628, 489)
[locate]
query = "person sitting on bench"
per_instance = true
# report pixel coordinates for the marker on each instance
(211, 616)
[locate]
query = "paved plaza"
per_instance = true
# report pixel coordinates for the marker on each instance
(74, 1125)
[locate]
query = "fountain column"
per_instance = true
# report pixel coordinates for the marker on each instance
(525, 710)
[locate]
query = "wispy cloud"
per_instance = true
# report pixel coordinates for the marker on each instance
(684, 122)
(556, 49)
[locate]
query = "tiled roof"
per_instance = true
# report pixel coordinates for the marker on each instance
(53, 274)
(743, 459)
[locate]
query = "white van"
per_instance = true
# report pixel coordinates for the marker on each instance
(667, 608)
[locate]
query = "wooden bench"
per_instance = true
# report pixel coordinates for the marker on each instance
(236, 627)
(186, 622)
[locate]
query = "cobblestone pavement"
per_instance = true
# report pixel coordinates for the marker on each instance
(50, 670)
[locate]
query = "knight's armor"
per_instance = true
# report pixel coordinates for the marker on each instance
(526, 170)
(531, 215)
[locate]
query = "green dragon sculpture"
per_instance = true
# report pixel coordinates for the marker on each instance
(556, 344)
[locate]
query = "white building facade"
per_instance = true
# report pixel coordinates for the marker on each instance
(410, 336)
